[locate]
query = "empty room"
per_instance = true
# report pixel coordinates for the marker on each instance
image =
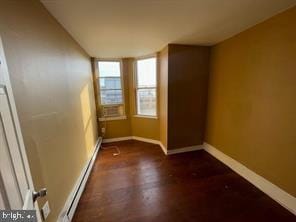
(148, 110)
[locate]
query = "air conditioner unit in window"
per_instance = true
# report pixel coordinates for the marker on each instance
(112, 110)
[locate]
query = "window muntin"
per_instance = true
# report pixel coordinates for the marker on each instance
(110, 82)
(146, 87)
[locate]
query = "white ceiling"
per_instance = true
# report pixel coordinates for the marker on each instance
(129, 28)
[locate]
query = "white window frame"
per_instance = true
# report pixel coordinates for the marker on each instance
(120, 117)
(136, 87)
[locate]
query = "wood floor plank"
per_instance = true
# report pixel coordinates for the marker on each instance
(142, 184)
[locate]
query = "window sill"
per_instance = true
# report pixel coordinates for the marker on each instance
(147, 117)
(102, 119)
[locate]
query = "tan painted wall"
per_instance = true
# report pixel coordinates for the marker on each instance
(252, 99)
(163, 96)
(52, 84)
(188, 70)
(96, 94)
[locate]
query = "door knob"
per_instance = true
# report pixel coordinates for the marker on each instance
(41, 193)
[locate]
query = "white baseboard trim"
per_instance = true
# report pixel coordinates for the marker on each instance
(69, 208)
(145, 140)
(184, 149)
(111, 140)
(117, 139)
(164, 149)
(276, 193)
(151, 141)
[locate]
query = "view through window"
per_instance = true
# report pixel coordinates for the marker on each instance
(110, 82)
(146, 84)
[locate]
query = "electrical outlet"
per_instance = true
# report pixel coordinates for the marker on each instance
(103, 130)
(45, 210)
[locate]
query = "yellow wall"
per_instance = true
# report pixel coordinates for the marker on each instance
(252, 99)
(163, 96)
(52, 85)
(132, 126)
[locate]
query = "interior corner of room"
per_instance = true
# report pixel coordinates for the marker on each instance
(134, 99)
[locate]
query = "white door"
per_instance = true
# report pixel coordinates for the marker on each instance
(16, 185)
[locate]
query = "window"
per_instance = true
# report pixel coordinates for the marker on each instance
(110, 87)
(146, 83)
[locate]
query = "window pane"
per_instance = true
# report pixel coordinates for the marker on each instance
(146, 102)
(109, 69)
(146, 72)
(109, 97)
(110, 83)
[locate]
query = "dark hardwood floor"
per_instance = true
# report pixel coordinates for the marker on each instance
(142, 184)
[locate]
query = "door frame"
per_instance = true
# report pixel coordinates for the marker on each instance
(5, 81)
